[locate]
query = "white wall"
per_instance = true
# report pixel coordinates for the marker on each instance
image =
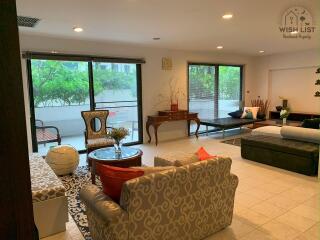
(154, 80)
(290, 75)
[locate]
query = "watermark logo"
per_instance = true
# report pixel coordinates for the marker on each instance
(297, 23)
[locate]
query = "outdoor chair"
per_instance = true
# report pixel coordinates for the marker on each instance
(96, 138)
(45, 133)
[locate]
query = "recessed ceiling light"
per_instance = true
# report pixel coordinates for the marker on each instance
(261, 51)
(227, 16)
(220, 47)
(53, 51)
(156, 38)
(78, 29)
(294, 32)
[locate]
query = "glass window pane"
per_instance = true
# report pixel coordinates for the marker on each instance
(201, 92)
(115, 89)
(60, 92)
(229, 89)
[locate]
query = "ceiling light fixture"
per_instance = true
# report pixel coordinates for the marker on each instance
(220, 47)
(294, 32)
(77, 29)
(227, 16)
(261, 51)
(156, 38)
(54, 51)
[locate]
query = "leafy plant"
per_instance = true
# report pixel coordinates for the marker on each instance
(202, 82)
(66, 83)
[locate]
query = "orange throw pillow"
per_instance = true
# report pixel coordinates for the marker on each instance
(203, 154)
(112, 179)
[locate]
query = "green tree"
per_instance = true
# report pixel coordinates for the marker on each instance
(55, 82)
(202, 80)
(66, 83)
(229, 83)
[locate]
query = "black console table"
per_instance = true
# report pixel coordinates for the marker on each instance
(294, 116)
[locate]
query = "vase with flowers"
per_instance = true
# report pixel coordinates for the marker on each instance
(284, 114)
(118, 134)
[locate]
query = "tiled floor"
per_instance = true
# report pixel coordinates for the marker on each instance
(270, 203)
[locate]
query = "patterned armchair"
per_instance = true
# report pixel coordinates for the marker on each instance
(96, 139)
(186, 203)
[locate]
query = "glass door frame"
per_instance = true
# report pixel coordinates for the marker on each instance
(93, 103)
(89, 59)
(216, 84)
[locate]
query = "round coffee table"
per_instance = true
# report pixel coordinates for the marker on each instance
(129, 157)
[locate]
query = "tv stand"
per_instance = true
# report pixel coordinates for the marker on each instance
(294, 116)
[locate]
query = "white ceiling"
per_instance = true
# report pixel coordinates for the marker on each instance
(181, 24)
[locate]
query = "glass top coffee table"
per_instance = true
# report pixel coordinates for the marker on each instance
(128, 157)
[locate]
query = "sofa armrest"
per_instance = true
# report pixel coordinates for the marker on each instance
(107, 220)
(234, 181)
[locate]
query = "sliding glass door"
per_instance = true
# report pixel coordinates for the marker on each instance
(214, 90)
(202, 98)
(116, 89)
(230, 89)
(61, 89)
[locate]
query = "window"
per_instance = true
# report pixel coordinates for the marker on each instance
(230, 92)
(214, 90)
(61, 89)
(116, 90)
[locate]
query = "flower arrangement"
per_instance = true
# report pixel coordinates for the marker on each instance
(284, 113)
(118, 134)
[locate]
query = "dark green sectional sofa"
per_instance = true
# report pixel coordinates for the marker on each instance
(293, 155)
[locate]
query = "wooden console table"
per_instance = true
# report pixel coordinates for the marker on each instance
(169, 116)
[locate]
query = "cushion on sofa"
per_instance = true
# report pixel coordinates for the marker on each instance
(112, 179)
(311, 123)
(272, 131)
(203, 154)
(301, 134)
(236, 114)
(250, 112)
(176, 159)
(150, 170)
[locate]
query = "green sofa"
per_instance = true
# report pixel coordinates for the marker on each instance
(290, 154)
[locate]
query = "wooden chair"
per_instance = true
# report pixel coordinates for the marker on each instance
(95, 139)
(44, 135)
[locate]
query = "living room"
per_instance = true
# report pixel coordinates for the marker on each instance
(235, 84)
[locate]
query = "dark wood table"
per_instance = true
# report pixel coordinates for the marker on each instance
(276, 122)
(169, 116)
(129, 157)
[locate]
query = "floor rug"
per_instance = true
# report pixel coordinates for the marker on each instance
(73, 184)
(233, 141)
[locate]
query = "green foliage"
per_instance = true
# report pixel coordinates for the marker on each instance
(66, 83)
(202, 82)
(113, 80)
(229, 83)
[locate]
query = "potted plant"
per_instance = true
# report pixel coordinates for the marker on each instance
(118, 134)
(284, 114)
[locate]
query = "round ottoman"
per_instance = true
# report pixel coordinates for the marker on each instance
(63, 159)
